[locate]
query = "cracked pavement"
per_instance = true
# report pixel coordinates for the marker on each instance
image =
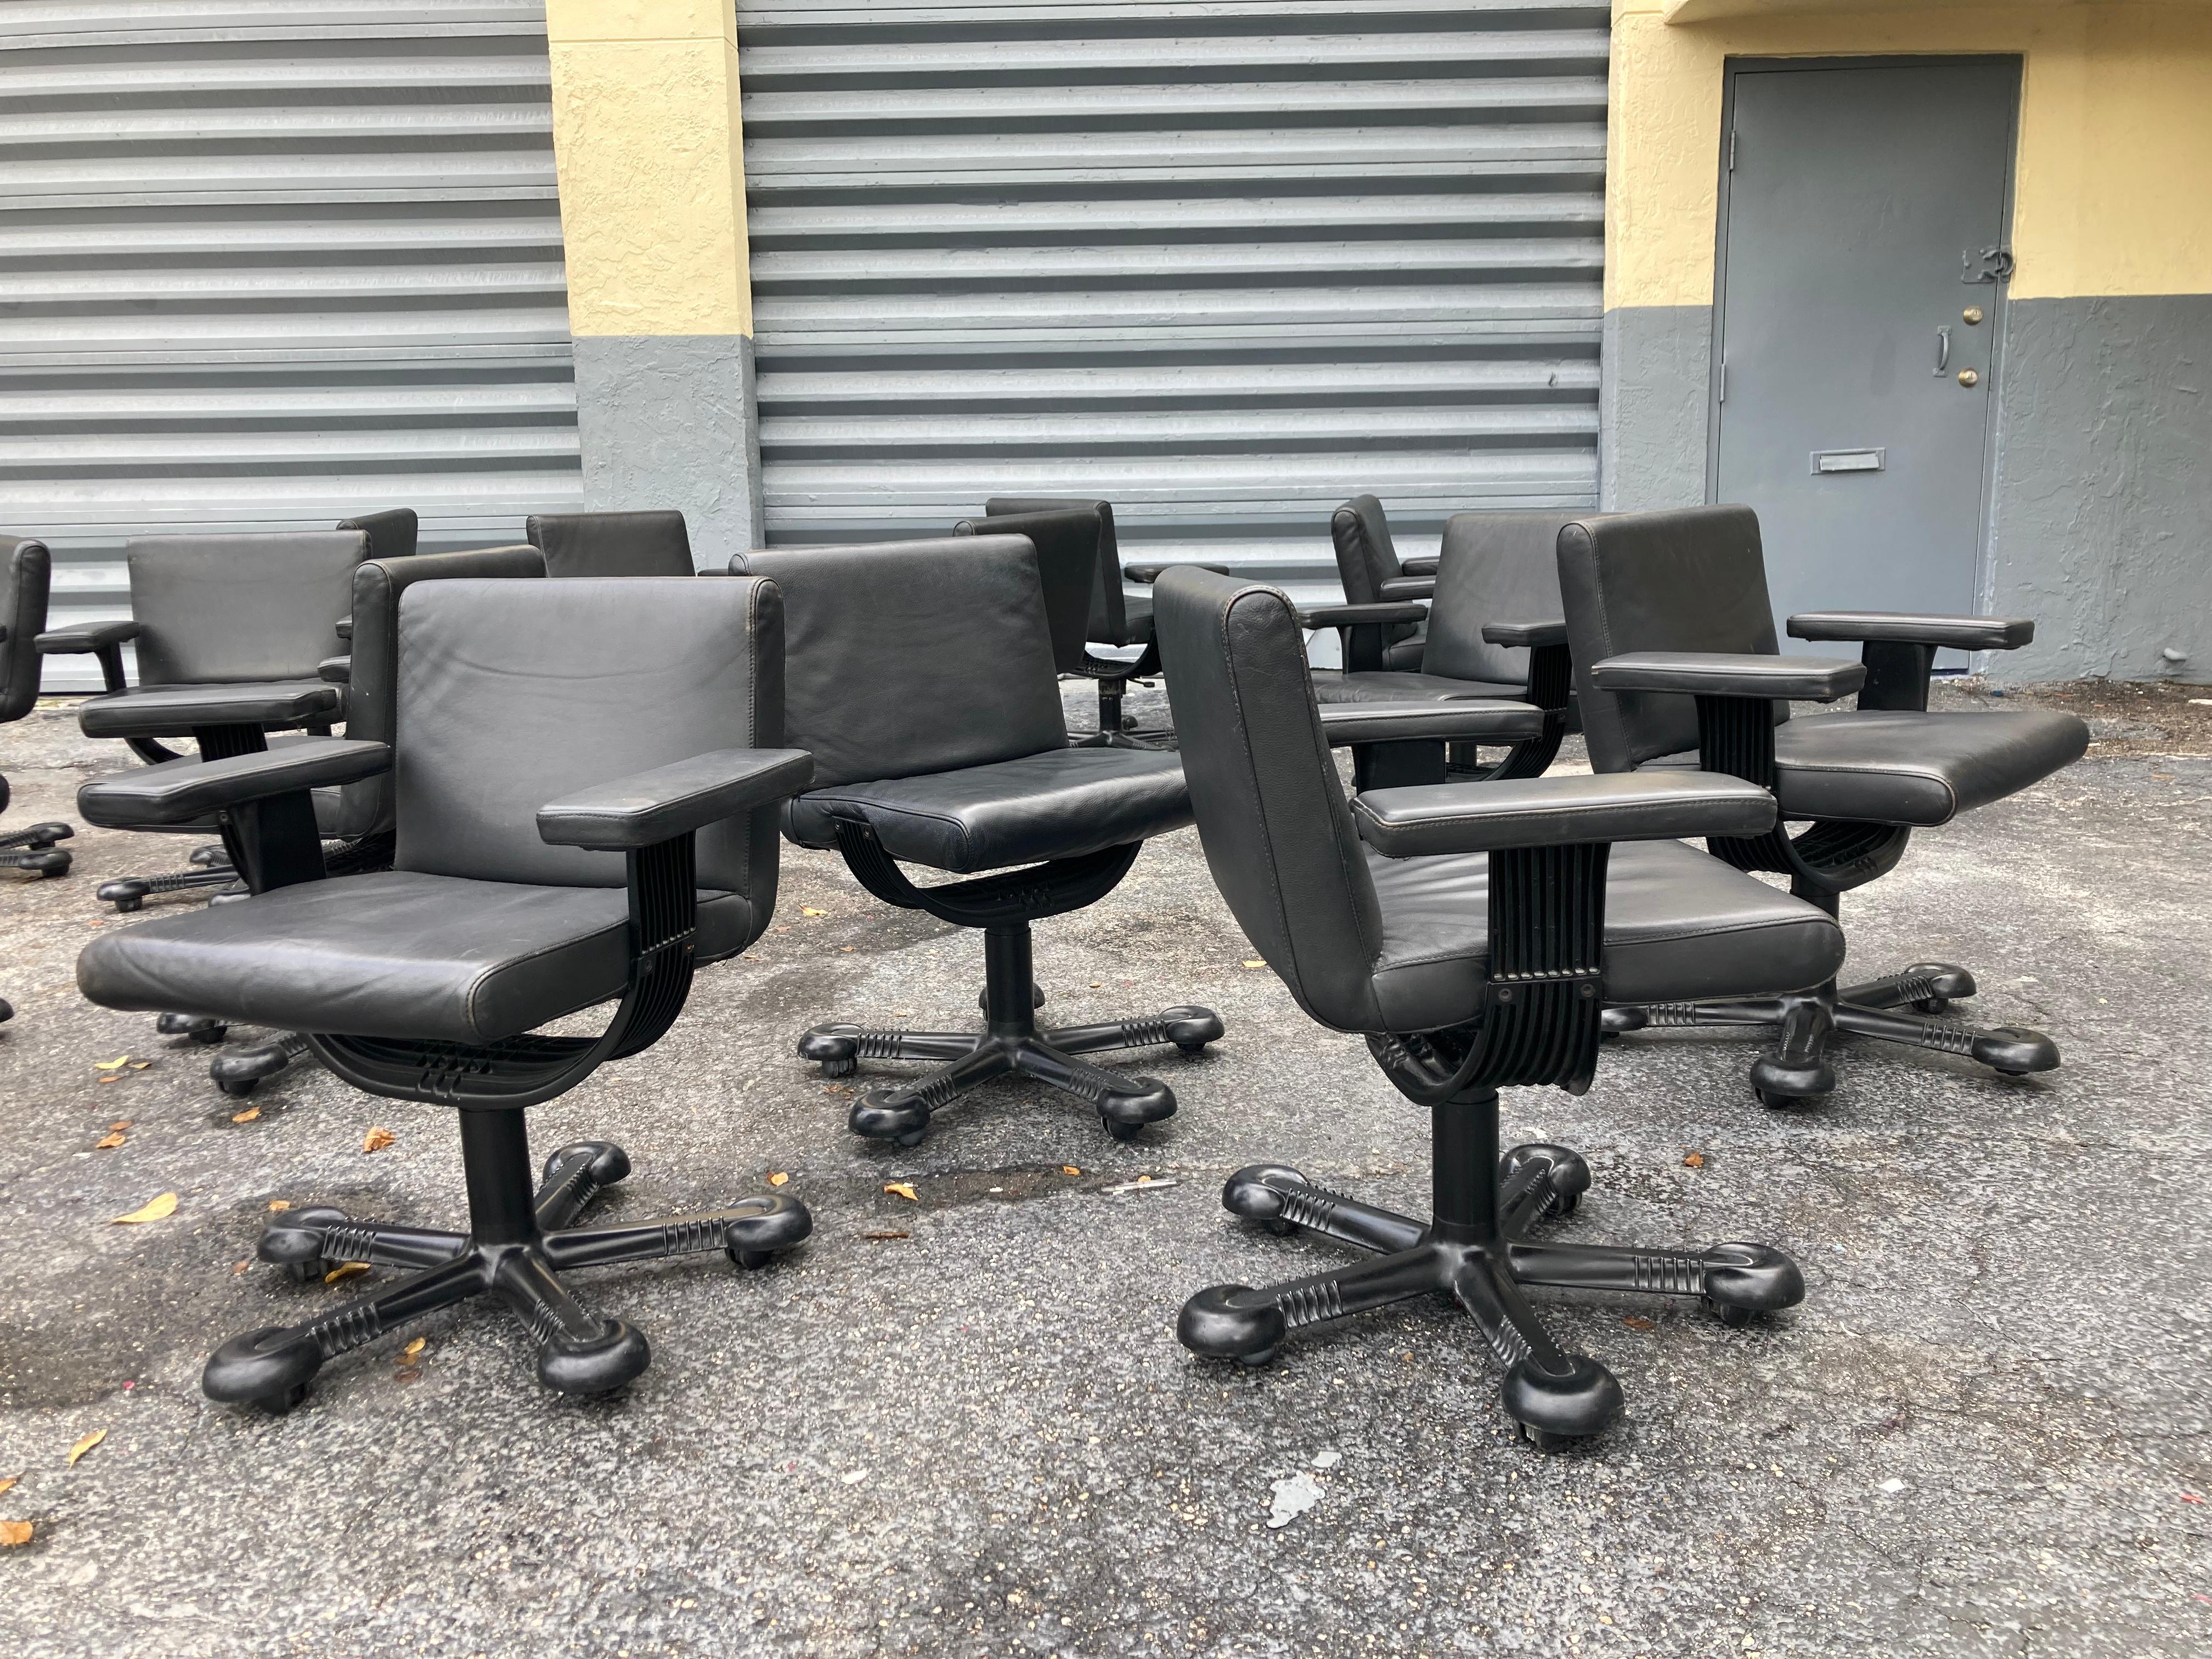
(962, 1424)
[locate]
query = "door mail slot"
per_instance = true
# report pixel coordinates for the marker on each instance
(1849, 460)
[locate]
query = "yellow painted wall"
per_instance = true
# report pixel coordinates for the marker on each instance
(650, 148)
(2113, 182)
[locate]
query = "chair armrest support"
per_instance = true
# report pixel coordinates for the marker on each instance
(1488, 818)
(1905, 628)
(1354, 616)
(1144, 575)
(344, 628)
(679, 799)
(1419, 567)
(1727, 674)
(1553, 630)
(180, 791)
(1484, 720)
(1399, 589)
(176, 711)
(335, 670)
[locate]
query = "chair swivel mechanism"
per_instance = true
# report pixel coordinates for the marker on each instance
(367, 673)
(1472, 933)
(1675, 651)
(583, 791)
(1492, 628)
(26, 572)
(919, 676)
(647, 544)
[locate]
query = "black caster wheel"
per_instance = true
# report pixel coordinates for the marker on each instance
(750, 1258)
(834, 1068)
(1252, 1362)
(1776, 1101)
(238, 1088)
(1736, 1318)
(207, 1035)
(1545, 1441)
(911, 1138)
(1562, 1208)
(1194, 1049)
(281, 1403)
(304, 1272)
(1280, 1228)
(1122, 1131)
(1931, 1006)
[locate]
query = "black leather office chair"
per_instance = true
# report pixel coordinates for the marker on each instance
(371, 709)
(1368, 565)
(1470, 932)
(652, 543)
(1068, 544)
(919, 676)
(26, 572)
(393, 534)
(1493, 630)
(586, 775)
(1675, 650)
(231, 633)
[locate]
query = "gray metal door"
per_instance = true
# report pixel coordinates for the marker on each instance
(1225, 262)
(1865, 205)
(268, 264)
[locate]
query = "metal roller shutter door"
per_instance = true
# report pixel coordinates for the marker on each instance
(266, 264)
(1225, 264)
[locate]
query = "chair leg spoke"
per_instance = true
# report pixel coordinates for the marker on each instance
(272, 1367)
(1190, 1028)
(578, 1351)
(1235, 1322)
(1735, 1278)
(1283, 1199)
(2014, 1050)
(1554, 1395)
(1125, 1103)
(748, 1232)
(901, 1112)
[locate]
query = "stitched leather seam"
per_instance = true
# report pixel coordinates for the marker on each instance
(1611, 943)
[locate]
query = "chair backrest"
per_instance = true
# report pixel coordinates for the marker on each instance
(1689, 579)
(1495, 567)
(26, 569)
(1366, 557)
(391, 534)
(653, 544)
(221, 608)
(1271, 812)
(511, 694)
(907, 658)
(1109, 614)
(1067, 564)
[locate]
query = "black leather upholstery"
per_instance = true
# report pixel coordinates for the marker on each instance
(1117, 616)
(1460, 719)
(1730, 674)
(25, 573)
(1333, 686)
(1494, 567)
(227, 608)
(1067, 545)
(1480, 817)
(907, 658)
(1366, 562)
(1959, 633)
(1058, 803)
(1371, 944)
(391, 534)
(185, 791)
(650, 544)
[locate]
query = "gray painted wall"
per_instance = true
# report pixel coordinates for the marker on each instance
(2102, 511)
(1651, 407)
(670, 421)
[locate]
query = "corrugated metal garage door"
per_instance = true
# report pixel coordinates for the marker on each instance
(1224, 262)
(271, 263)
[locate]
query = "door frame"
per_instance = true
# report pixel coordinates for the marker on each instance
(1984, 572)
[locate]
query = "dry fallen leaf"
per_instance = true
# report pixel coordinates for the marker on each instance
(1254, 962)
(109, 1076)
(160, 1208)
(114, 1065)
(85, 1445)
(346, 1270)
(1069, 1168)
(1693, 1160)
(13, 1533)
(408, 1373)
(407, 1354)
(1639, 1322)
(8, 1483)
(246, 1116)
(280, 1203)
(110, 1141)
(809, 910)
(243, 1267)
(887, 1234)
(118, 1126)
(777, 1177)
(377, 1140)
(140, 1065)
(903, 1188)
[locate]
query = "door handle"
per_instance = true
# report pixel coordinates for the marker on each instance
(1942, 350)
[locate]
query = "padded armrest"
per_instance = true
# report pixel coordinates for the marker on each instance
(87, 636)
(1726, 674)
(650, 807)
(345, 628)
(335, 670)
(1400, 588)
(175, 711)
(1144, 575)
(1486, 817)
(179, 791)
(1473, 720)
(1351, 615)
(1551, 631)
(1903, 627)
(1419, 567)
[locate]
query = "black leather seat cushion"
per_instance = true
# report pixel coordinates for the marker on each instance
(1136, 619)
(1332, 686)
(1901, 767)
(1405, 655)
(1060, 804)
(398, 954)
(1680, 924)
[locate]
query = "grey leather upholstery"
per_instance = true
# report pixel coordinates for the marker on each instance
(229, 608)
(1370, 944)
(393, 534)
(1068, 544)
(1494, 567)
(1367, 563)
(1695, 581)
(921, 676)
(26, 574)
(1383, 685)
(649, 544)
(1117, 616)
(482, 930)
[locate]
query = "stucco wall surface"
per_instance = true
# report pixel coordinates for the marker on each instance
(671, 420)
(1651, 407)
